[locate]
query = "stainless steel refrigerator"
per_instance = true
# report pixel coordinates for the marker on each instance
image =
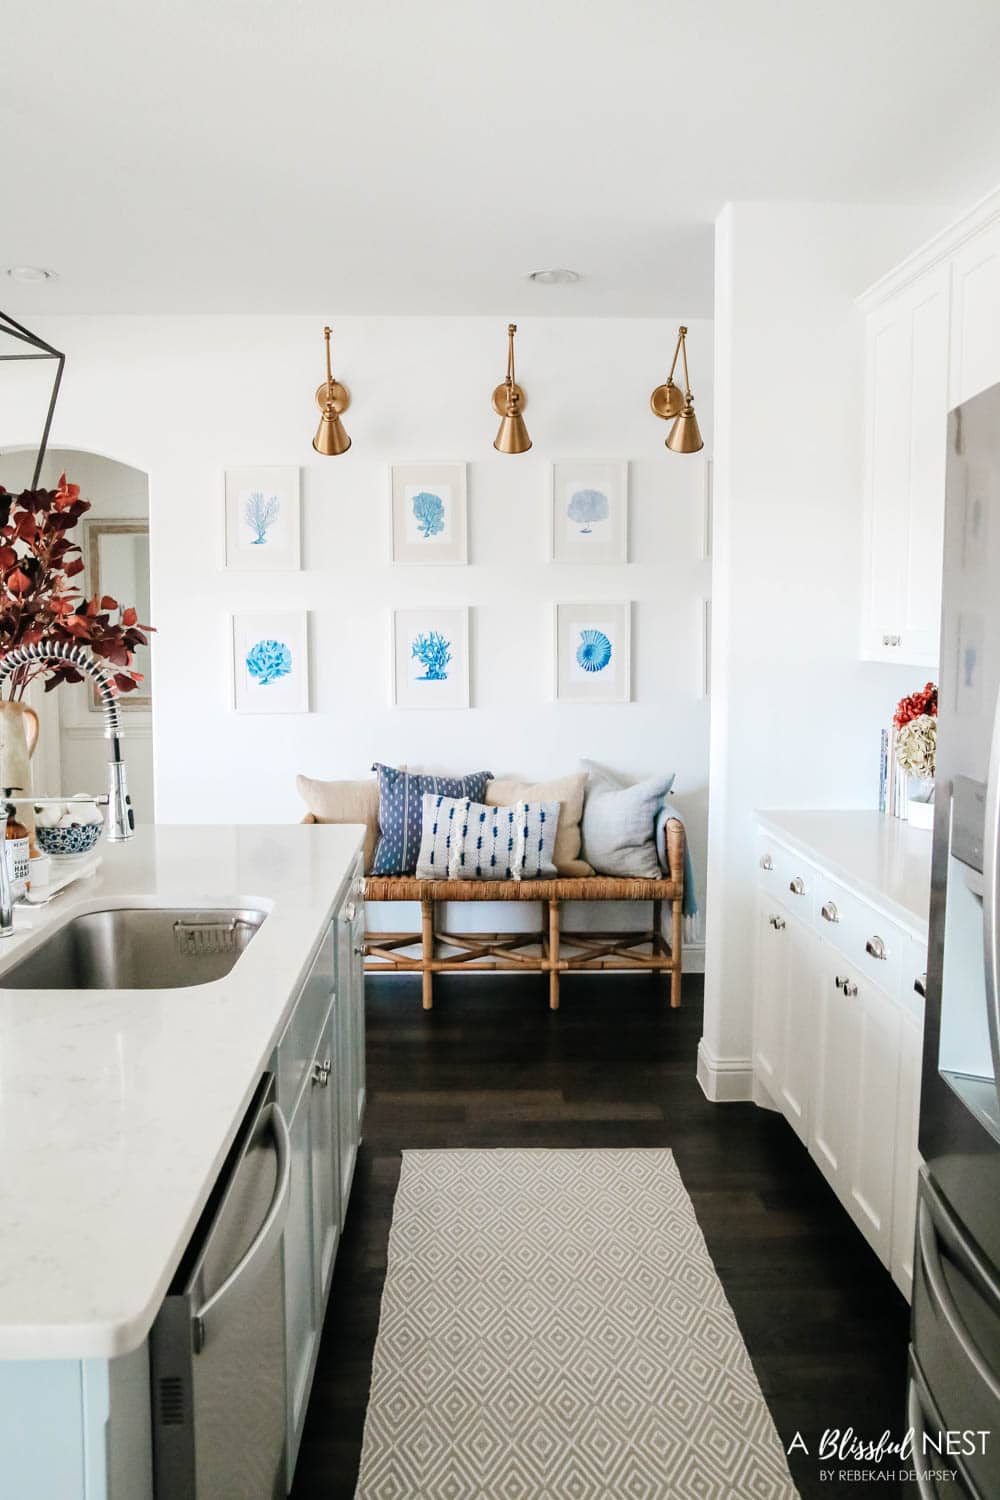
(955, 1352)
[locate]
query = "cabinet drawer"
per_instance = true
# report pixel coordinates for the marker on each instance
(861, 934)
(786, 876)
(298, 1042)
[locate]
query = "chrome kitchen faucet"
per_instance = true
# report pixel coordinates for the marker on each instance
(120, 823)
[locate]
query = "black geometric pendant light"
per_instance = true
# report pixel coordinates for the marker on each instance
(43, 351)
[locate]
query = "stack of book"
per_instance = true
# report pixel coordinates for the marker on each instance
(892, 781)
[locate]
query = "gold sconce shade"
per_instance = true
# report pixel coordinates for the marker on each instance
(332, 398)
(508, 399)
(668, 402)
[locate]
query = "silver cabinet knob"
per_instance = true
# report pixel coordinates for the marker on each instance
(766, 862)
(321, 1072)
(840, 981)
(778, 923)
(359, 950)
(850, 988)
(920, 985)
(350, 911)
(797, 886)
(875, 948)
(828, 911)
(892, 640)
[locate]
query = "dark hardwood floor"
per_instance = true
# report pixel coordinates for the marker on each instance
(492, 1066)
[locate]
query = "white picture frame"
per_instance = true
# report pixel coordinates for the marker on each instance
(588, 511)
(270, 661)
(592, 651)
(262, 527)
(423, 679)
(428, 514)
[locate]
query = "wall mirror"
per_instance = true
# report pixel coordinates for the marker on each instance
(117, 554)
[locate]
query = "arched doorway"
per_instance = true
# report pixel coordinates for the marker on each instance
(114, 535)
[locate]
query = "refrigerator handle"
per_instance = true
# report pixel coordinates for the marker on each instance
(991, 896)
(938, 1288)
(266, 1237)
(915, 1417)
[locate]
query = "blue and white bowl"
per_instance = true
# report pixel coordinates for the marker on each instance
(62, 842)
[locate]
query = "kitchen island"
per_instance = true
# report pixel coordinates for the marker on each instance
(118, 1109)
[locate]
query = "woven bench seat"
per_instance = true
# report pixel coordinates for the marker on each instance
(579, 888)
(551, 951)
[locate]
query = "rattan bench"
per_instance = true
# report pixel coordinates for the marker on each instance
(551, 951)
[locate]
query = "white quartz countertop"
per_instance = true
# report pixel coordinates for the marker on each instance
(882, 858)
(117, 1107)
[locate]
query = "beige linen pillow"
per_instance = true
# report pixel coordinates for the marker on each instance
(568, 792)
(344, 802)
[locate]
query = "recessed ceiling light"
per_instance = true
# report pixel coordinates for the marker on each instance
(559, 276)
(30, 273)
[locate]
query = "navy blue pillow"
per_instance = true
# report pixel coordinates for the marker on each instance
(400, 812)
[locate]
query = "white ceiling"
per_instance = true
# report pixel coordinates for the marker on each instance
(384, 156)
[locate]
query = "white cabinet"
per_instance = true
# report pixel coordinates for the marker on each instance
(975, 321)
(302, 1316)
(837, 1041)
(905, 449)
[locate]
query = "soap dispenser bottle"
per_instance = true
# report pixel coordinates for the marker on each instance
(17, 847)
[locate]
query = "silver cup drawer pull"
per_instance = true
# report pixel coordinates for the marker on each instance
(828, 911)
(797, 886)
(875, 948)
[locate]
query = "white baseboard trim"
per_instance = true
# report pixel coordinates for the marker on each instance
(724, 1080)
(694, 958)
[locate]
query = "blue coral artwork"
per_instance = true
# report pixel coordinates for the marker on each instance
(268, 661)
(260, 515)
(587, 508)
(594, 651)
(262, 519)
(271, 662)
(428, 513)
(432, 651)
(431, 657)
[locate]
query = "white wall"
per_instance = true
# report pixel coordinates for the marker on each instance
(796, 715)
(183, 397)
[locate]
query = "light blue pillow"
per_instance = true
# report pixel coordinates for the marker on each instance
(619, 822)
(464, 840)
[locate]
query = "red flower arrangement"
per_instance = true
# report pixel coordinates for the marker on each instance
(39, 602)
(923, 702)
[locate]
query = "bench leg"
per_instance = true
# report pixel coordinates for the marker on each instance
(676, 945)
(427, 951)
(657, 943)
(554, 955)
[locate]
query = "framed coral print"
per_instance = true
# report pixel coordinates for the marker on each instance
(592, 648)
(271, 662)
(588, 511)
(430, 658)
(262, 519)
(429, 521)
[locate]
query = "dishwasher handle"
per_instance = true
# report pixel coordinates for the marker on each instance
(266, 1238)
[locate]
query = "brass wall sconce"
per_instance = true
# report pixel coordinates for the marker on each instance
(508, 400)
(668, 403)
(332, 398)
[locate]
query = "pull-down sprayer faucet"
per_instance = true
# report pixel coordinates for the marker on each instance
(120, 822)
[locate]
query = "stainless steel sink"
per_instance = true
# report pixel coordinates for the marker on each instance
(136, 948)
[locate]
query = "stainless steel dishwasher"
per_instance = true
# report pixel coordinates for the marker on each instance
(217, 1346)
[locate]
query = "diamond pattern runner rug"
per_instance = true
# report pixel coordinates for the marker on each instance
(553, 1329)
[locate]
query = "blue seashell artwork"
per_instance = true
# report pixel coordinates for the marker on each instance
(594, 650)
(268, 661)
(260, 515)
(433, 651)
(586, 507)
(428, 511)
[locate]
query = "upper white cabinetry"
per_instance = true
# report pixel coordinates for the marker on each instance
(932, 340)
(907, 407)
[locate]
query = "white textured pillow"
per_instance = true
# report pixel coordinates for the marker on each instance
(344, 802)
(463, 840)
(568, 792)
(619, 823)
